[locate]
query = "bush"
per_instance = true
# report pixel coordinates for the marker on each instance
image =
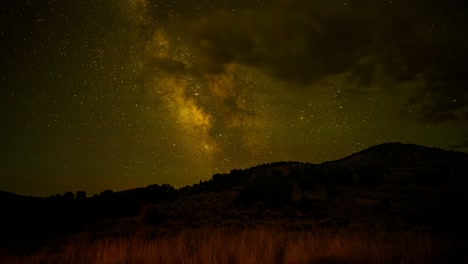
(271, 190)
(152, 216)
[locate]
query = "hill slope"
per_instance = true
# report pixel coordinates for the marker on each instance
(390, 187)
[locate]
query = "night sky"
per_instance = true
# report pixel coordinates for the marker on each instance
(117, 94)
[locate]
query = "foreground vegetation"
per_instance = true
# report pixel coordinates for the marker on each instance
(259, 245)
(393, 203)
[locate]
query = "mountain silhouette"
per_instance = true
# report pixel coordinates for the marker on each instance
(388, 163)
(391, 186)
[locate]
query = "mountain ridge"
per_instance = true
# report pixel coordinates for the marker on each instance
(373, 152)
(390, 186)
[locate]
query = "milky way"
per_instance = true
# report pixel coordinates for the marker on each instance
(119, 94)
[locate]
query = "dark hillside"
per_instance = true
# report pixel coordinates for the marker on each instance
(390, 187)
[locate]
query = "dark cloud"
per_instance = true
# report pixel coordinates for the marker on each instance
(305, 41)
(168, 65)
(427, 42)
(296, 41)
(377, 43)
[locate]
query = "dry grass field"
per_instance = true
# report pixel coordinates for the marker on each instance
(260, 245)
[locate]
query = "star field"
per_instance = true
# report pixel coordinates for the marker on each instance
(99, 95)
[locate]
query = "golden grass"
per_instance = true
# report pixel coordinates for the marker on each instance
(244, 246)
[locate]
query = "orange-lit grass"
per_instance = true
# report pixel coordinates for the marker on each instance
(246, 246)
